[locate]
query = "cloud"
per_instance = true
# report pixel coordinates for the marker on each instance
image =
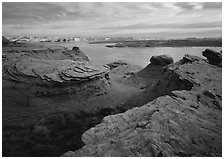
(112, 18)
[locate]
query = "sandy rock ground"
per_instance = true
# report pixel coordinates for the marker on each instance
(55, 100)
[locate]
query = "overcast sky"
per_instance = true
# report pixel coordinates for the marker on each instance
(112, 19)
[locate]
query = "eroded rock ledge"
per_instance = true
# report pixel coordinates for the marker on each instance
(184, 123)
(60, 71)
(50, 65)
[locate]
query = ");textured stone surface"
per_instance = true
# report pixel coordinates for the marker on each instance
(214, 57)
(161, 60)
(60, 71)
(184, 123)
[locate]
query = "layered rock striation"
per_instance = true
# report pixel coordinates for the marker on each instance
(48, 71)
(50, 65)
(59, 71)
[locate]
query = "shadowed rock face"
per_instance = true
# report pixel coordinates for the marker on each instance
(49, 98)
(214, 57)
(5, 42)
(155, 68)
(184, 123)
(152, 73)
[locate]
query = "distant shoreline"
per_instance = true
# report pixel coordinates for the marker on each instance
(165, 43)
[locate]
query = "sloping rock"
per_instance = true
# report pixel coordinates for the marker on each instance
(149, 75)
(168, 126)
(5, 42)
(214, 57)
(161, 60)
(186, 122)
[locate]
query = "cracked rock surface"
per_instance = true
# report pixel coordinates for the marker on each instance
(184, 121)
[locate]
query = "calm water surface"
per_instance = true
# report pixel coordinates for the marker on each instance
(139, 56)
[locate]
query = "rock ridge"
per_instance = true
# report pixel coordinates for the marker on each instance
(184, 121)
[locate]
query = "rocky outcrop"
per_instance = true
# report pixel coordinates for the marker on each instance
(178, 125)
(185, 119)
(76, 54)
(43, 65)
(152, 73)
(116, 64)
(59, 71)
(51, 71)
(214, 57)
(162, 60)
(5, 42)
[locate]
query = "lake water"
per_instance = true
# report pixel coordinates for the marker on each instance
(139, 56)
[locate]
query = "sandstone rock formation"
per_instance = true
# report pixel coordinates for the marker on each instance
(50, 70)
(161, 60)
(186, 119)
(149, 75)
(155, 68)
(60, 71)
(50, 97)
(214, 57)
(52, 65)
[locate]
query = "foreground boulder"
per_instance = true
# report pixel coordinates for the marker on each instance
(214, 57)
(161, 60)
(186, 120)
